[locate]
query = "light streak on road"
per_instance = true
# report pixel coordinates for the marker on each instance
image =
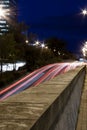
(16, 86)
(38, 76)
(25, 78)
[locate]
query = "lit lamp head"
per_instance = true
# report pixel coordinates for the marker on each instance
(27, 41)
(42, 45)
(37, 43)
(84, 12)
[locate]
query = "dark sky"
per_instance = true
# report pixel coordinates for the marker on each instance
(60, 18)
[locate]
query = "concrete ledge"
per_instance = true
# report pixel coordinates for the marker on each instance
(68, 118)
(82, 118)
(42, 107)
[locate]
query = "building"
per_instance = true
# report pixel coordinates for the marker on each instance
(8, 15)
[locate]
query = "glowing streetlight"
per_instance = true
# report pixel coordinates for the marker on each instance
(42, 45)
(26, 41)
(84, 12)
(37, 42)
(46, 47)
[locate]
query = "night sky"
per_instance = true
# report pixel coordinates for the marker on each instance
(60, 18)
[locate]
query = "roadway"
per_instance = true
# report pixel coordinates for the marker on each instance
(38, 76)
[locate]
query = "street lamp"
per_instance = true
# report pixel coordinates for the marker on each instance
(84, 12)
(26, 41)
(37, 43)
(42, 45)
(46, 47)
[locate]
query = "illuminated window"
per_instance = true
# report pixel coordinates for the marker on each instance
(7, 21)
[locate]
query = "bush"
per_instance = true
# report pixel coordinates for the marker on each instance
(9, 77)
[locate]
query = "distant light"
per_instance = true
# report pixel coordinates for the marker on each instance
(84, 12)
(54, 50)
(43, 45)
(9, 66)
(85, 46)
(59, 53)
(81, 59)
(26, 41)
(37, 42)
(46, 47)
(83, 51)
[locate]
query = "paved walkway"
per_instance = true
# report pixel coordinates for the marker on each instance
(82, 118)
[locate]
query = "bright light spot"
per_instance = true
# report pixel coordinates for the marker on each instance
(2, 12)
(9, 66)
(46, 47)
(59, 53)
(84, 12)
(37, 42)
(43, 45)
(54, 50)
(83, 49)
(85, 45)
(81, 59)
(26, 41)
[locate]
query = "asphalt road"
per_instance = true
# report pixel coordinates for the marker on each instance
(38, 76)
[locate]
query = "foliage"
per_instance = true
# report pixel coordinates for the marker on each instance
(59, 48)
(13, 48)
(7, 48)
(32, 37)
(19, 32)
(56, 45)
(9, 77)
(37, 57)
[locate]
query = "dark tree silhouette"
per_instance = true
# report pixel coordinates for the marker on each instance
(57, 46)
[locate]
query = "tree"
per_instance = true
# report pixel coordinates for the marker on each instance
(32, 37)
(7, 48)
(32, 54)
(37, 57)
(19, 32)
(56, 45)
